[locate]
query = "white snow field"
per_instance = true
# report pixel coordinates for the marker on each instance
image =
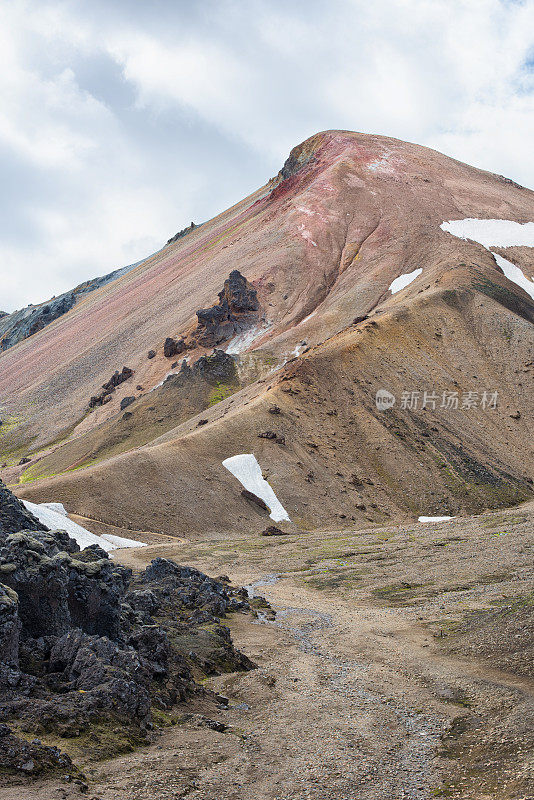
(404, 280)
(492, 232)
(58, 507)
(434, 519)
(497, 233)
(248, 472)
(515, 274)
(57, 520)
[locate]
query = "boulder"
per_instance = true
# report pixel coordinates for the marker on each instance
(56, 590)
(127, 401)
(272, 530)
(173, 347)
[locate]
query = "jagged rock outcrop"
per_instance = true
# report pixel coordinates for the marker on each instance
(14, 516)
(219, 367)
(182, 233)
(109, 387)
(57, 591)
(236, 311)
(85, 644)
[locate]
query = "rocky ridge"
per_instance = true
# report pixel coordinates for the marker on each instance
(20, 324)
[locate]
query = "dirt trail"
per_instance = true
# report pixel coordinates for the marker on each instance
(355, 697)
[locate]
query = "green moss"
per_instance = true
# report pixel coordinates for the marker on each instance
(104, 738)
(404, 594)
(447, 790)
(220, 392)
(33, 473)
(493, 577)
(162, 719)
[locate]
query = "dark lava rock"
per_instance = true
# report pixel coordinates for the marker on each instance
(254, 499)
(21, 324)
(14, 516)
(236, 311)
(24, 460)
(9, 627)
(127, 401)
(182, 233)
(272, 530)
(173, 347)
(298, 158)
(56, 590)
(151, 354)
(275, 437)
(117, 378)
(24, 322)
(219, 367)
(107, 388)
(88, 650)
(31, 758)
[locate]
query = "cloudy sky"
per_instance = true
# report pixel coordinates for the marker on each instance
(123, 120)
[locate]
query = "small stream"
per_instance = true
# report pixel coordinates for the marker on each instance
(411, 775)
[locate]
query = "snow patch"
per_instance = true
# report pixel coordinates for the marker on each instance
(313, 313)
(298, 349)
(492, 232)
(246, 469)
(120, 541)
(58, 521)
(404, 280)
(59, 508)
(434, 519)
(515, 274)
(497, 233)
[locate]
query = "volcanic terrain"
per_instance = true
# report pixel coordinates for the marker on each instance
(274, 398)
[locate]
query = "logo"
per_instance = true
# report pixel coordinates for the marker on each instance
(384, 400)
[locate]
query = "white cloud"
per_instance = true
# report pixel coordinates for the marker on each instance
(121, 122)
